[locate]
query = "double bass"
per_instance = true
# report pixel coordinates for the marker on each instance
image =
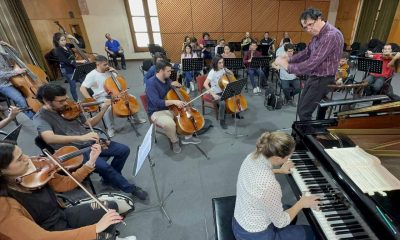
(79, 53)
(29, 82)
(188, 120)
(234, 104)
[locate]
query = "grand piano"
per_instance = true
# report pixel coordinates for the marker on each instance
(346, 212)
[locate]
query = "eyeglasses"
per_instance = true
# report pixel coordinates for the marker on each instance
(61, 101)
(309, 25)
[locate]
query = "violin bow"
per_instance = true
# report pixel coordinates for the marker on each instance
(48, 154)
(198, 97)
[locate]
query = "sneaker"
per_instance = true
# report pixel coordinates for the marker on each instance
(188, 90)
(139, 120)
(192, 86)
(118, 68)
(291, 103)
(255, 90)
(126, 238)
(176, 148)
(238, 116)
(191, 140)
(111, 132)
(124, 67)
(223, 124)
(140, 193)
(258, 90)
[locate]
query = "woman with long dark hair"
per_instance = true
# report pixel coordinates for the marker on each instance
(35, 214)
(67, 60)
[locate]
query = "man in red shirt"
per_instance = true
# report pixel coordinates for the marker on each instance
(376, 80)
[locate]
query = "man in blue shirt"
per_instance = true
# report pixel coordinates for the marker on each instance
(115, 50)
(157, 88)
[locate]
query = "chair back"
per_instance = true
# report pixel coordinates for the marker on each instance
(40, 143)
(200, 82)
(223, 208)
(145, 101)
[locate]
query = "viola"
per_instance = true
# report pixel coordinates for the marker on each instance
(188, 119)
(237, 103)
(74, 109)
(43, 169)
(125, 105)
(342, 72)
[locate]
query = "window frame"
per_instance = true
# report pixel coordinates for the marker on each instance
(148, 25)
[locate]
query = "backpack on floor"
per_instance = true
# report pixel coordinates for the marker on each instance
(272, 100)
(207, 126)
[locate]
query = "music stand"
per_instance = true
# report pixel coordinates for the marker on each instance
(259, 62)
(369, 65)
(192, 64)
(232, 90)
(143, 153)
(13, 135)
(220, 50)
(82, 70)
(235, 46)
(210, 43)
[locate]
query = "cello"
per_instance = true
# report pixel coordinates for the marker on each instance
(234, 104)
(188, 120)
(27, 83)
(124, 104)
(79, 53)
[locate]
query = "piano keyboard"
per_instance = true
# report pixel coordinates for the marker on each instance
(336, 217)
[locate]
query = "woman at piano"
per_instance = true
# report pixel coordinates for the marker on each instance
(259, 212)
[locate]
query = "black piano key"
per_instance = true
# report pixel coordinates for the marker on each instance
(344, 224)
(347, 227)
(316, 182)
(339, 214)
(350, 231)
(333, 209)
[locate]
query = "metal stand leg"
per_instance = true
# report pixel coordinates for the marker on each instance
(161, 201)
(235, 133)
(131, 121)
(202, 152)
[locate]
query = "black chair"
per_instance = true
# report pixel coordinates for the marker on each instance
(223, 208)
(300, 46)
(146, 65)
(110, 59)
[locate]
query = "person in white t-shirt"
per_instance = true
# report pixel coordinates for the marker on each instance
(212, 81)
(95, 81)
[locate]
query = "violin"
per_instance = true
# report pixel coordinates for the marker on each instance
(125, 105)
(234, 104)
(74, 109)
(43, 169)
(79, 53)
(188, 120)
(342, 72)
(27, 83)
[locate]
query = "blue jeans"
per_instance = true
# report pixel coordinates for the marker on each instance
(111, 173)
(298, 232)
(15, 95)
(375, 85)
(72, 84)
(290, 88)
(188, 78)
(255, 72)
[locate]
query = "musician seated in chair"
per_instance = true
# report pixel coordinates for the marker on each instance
(212, 80)
(36, 214)
(58, 132)
(157, 88)
(6, 73)
(13, 112)
(259, 212)
(377, 80)
(115, 50)
(343, 69)
(248, 57)
(290, 83)
(95, 81)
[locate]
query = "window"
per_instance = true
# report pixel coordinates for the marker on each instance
(143, 19)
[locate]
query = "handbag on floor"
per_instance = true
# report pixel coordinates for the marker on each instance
(272, 100)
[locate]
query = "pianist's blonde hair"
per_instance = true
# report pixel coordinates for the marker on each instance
(278, 143)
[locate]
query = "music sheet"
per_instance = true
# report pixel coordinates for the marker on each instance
(364, 169)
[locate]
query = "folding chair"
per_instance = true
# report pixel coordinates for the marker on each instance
(206, 100)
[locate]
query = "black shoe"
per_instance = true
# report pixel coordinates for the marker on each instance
(124, 67)
(237, 116)
(118, 68)
(140, 193)
(223, 124)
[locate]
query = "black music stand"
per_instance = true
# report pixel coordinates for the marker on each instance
(232, 90)
(192, 64)
(259, 62)
(235, 46)
(220, 50)
(234, 64)
(13, 135)
(82, 70)
(369, 65)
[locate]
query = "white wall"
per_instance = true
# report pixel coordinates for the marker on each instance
(109, 16)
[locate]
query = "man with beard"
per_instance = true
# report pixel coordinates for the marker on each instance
(58, 132)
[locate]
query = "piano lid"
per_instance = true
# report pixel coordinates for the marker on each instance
(380, 108)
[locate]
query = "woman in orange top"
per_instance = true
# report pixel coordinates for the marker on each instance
(35, 214)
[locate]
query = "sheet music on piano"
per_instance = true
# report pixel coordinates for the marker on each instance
(365, 170)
